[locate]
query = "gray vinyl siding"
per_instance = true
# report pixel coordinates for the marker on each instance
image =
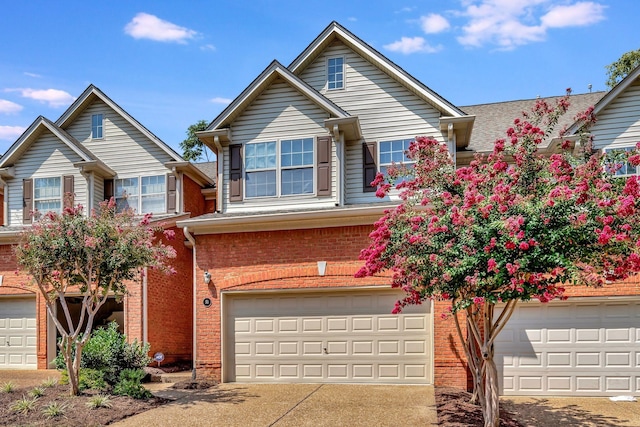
(386, 109)
(46, 157)
(98, 191)
(618, 124)
(123, 147)
(280, 112)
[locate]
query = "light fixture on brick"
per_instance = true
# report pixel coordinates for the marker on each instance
(322, 267)
(207, 277)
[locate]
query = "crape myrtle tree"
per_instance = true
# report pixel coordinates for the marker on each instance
(91, 255)
(514, 225)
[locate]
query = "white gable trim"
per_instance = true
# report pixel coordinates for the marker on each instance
(275, 69)
(379, 60)
(81, 103)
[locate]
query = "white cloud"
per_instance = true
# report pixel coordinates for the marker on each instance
(434, 23)
(34, 75)
(208, 47)
(11, 133)
(146, 26)
(409, 45)
(53, 97)
(511, 23)
(352, 19)
(8, 107)
(575, 15)
(405, 9)
(220, 100)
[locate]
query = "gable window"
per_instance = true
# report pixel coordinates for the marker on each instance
(279, 168)
(145, 194)
(617, 163)
(394, 152)
(47, 194)
(335, 73)
(96, 126)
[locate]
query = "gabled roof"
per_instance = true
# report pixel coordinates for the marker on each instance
(610, 97)
(88, 96)
(33, 131)
(337, 31)
(493, 120)
(262, 82)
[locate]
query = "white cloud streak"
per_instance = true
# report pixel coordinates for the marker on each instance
(221, 100)
(11, 133)
(146, 26)
(408, 45)
(52, 97)
(8, 107)
(434, 23)
(575, 15)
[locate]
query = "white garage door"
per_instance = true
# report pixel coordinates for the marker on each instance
(18, 333)
(581, 348)
(337, 337)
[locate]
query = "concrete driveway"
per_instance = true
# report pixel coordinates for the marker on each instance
(289, 405)
(572, 411)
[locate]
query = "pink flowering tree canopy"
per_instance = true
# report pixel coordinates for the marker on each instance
(516, 224)
(93, 256)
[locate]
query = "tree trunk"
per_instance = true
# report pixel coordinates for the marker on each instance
(491, 409)
(67, 348)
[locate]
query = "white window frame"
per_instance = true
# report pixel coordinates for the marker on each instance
(343, 81)
(626, 164)
(279, 168)
(139, 196)
(95, 126)
(47, 198)
(382, 166)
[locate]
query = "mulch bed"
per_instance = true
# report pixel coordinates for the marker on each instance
(454, 410)
(76, 411)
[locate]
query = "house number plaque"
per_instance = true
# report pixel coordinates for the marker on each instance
(206, 302)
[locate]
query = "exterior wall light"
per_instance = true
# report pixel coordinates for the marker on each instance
(207, 277)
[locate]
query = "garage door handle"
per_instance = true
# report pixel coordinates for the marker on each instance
(325, 350)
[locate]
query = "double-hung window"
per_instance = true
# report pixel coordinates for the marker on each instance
(279, 168)
(617, 163)
(96, 126)
(394, 152)
(146, 194)
(335, 73)
(260, 163)
(47, 194)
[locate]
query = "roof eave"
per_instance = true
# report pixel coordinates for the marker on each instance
(200, 178)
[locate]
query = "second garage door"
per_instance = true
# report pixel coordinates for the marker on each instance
(586, 348)
(336, 337)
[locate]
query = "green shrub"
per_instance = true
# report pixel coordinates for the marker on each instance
(36, 392)
(50, 382)
(92, 379)
(24, 405)
(130, 384)
(108, 351)
(8, 387)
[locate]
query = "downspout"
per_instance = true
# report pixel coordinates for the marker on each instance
(338, 139)
(219, 181)
(5, 202)
(192, 240)
(451, 142)
(145, 308)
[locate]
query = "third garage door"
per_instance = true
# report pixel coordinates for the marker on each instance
(335, 337)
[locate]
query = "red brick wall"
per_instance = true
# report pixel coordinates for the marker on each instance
(193, 198)
(270, 260)
(170, 305)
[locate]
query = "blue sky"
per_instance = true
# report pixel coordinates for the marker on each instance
(171, 63)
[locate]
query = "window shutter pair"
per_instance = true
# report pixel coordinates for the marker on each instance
(109, 192)
(27, 196)
(369, 167)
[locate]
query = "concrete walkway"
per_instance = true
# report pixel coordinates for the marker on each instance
(293, 405)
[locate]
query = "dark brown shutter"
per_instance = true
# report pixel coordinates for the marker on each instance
(324, 166)
(171, 193)
(108, 189)
(369, 169)
(235, 173)
(67, 191)
(27, 200)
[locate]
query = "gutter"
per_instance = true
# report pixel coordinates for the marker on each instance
(192, 242)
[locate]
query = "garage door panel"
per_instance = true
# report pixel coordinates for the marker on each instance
(18, 333)
(365, 345)
(594, 352)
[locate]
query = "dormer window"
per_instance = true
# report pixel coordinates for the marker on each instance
(335, 73)
(96, 126)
